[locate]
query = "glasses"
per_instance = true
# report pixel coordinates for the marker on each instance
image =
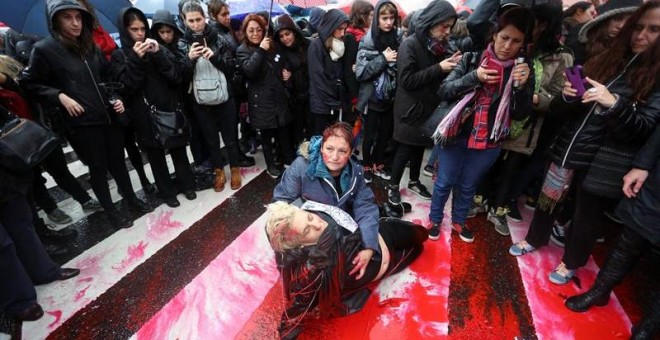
(255, 31)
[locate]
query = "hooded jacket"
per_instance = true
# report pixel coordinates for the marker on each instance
(315, 16)
(371, 63)
(163, 17)
(54, 69)
(327, 91)
(156, 77)
(419, 75)
(296, 57)
(268, 108)
(357, 199)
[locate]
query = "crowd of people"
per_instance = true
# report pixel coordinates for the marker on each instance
(485, 90)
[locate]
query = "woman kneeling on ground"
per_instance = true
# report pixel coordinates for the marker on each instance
(314, 246)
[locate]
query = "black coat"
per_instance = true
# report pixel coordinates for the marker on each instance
(12, 184)
(54, 69)
(296, 58)
(267, 104)
(156, 77)
(328, 90)
(642, 213)
(626, 125)
(222, 58)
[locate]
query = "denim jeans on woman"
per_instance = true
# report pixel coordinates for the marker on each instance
(460, 170)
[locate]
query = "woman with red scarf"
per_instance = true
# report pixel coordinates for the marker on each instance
(491, 91)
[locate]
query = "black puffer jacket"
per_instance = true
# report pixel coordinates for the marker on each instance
(54, 69)
(327, 82)
(419, 76)
(295, 56)
(156, 77)
(268, 107)
(626, 125)
(642, 213)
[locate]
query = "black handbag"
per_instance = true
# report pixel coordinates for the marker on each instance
(24, 144)
(171, 128)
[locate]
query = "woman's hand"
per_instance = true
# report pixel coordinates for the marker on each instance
(207, 53)
(72, 107)
(520, 73)
(141, 48)
(286, 75)
(390, 55)
(361, 261)
(568, 90)
(118, 106)
(448, 64)
(599, 94)
(265, 43)
(633, 181)
(488, 76)
(195, 51)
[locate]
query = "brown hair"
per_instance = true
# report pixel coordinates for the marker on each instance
(340, 129)
(359, 16)
(214, 7)
(598, 39)
(253, 17)
(84, 44)
(645, 72)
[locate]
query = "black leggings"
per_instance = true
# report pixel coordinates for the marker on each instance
(405, 242)
(377, 130)
(103, 148)
(405, 153)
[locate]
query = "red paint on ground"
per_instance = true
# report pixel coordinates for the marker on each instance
(81, 293)
(162, 223)
(134, 253)
(57, 315)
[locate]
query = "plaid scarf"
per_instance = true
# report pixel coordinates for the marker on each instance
(483, 96)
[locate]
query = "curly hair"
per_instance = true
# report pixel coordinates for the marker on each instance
(645, 74)
(340, 129)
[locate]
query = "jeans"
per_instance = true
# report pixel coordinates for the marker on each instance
(460, 171)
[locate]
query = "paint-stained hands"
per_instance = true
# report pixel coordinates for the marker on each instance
(361, 261)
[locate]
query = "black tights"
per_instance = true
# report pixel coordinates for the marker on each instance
(405, 153)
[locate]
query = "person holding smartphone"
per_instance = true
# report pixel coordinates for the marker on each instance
(486, 101)
(201, 41)
(602, 132)
(151, 76)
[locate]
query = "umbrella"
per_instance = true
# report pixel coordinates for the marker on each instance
(239, 9)
(29, 16)
(149, 7)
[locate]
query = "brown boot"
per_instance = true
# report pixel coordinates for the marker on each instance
(220, 180)
(235, 178)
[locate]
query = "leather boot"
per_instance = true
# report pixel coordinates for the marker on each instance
(220, 180)
(622, 259)
(650, 323)
(235, 178)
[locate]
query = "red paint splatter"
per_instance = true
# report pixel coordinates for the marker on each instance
(134, 252)
(162, 223)
(251, 269)
(392, 302)
(85, 279)
(57, 315)
(251, 170)
(81, 293)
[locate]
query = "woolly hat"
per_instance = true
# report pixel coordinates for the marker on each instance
(607, 11)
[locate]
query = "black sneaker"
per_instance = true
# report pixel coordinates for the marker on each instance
(118, 220)
(419, 189)
(190, 195)
(59, 217)
(245, 161)
(139, 205)
(434, 232)
(498, 218)
(368, 176)
(274, 171)
(91, 205)
(428, 171)
(557, 235)
(514, 212)
(382, 173)
(463, 232)
(46, 231)
(393, 194)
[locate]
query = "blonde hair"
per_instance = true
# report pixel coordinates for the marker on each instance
(10, 67)
(279, 224)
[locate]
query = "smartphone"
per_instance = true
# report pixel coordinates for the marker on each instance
(490, 66)
(575, 76)
(199, 38)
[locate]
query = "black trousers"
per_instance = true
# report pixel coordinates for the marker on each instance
(23, 259)
(404, 241)
(184, 175)
(55, 164)
(103, 149)
(378, 129)
(581, 236)
(405, 153)
(281, 136)
(223, 118)
(134, 154)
